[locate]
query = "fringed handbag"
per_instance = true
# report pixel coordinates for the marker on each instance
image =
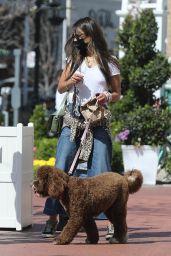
(94, 112)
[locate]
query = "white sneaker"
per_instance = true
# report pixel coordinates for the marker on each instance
(110, 231)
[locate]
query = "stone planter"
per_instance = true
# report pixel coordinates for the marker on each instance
(144, 158)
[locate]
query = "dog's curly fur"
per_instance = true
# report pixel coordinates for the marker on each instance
(85, 198)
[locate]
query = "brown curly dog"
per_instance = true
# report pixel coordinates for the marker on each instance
(83, 199)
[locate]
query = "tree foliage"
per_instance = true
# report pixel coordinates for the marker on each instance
(143, 68)
(12, 29)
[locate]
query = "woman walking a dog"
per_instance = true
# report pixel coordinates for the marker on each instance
(91, 70)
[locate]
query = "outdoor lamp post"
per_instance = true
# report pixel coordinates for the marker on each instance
(37, 49)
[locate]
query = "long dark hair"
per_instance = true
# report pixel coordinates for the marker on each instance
(98, 44)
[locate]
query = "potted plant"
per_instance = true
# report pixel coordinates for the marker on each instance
(141, 134)
(144, 70)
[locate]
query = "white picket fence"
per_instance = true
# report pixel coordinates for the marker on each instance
(16, 175)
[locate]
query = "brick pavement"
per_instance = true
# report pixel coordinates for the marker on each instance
(149, 228)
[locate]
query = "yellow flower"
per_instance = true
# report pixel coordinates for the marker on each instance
(50, 162)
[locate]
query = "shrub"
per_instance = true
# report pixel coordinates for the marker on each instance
(117, 162)
(45, 148)
(167, 165)
(1, 119)
(143, 68)
(145, 126)
(125, 105)
(149, 78)
(39, 121)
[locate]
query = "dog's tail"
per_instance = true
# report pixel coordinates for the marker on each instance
(135, 180)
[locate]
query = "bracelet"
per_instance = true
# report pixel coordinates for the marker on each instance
(108, 96)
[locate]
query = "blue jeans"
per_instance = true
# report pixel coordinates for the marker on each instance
(99, 160)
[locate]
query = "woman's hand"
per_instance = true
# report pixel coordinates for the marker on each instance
(101, 98)
(77, 77)
(113, 96)
(65, 85)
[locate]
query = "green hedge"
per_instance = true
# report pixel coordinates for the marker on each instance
(117, 161)
(45, 148)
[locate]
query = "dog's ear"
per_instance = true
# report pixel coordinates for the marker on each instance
(57, 184)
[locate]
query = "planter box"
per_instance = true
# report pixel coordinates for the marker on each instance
(16, 174)
(144, 158)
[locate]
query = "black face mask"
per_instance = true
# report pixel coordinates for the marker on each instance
(81, 45)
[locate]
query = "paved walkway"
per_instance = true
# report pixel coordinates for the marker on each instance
(149, 228)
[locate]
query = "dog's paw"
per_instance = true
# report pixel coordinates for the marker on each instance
(90, 242)
(55, 241)
(87, 241)
(59, 242)
(114, 240)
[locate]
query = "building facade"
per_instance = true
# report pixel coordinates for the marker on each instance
(168, 39)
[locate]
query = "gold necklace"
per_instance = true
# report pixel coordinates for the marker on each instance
(91, 61)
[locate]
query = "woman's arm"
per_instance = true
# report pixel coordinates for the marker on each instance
(115, 91)
(66, 84)
(116, 88)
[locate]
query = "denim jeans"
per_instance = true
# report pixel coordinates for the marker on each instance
(99, 160)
